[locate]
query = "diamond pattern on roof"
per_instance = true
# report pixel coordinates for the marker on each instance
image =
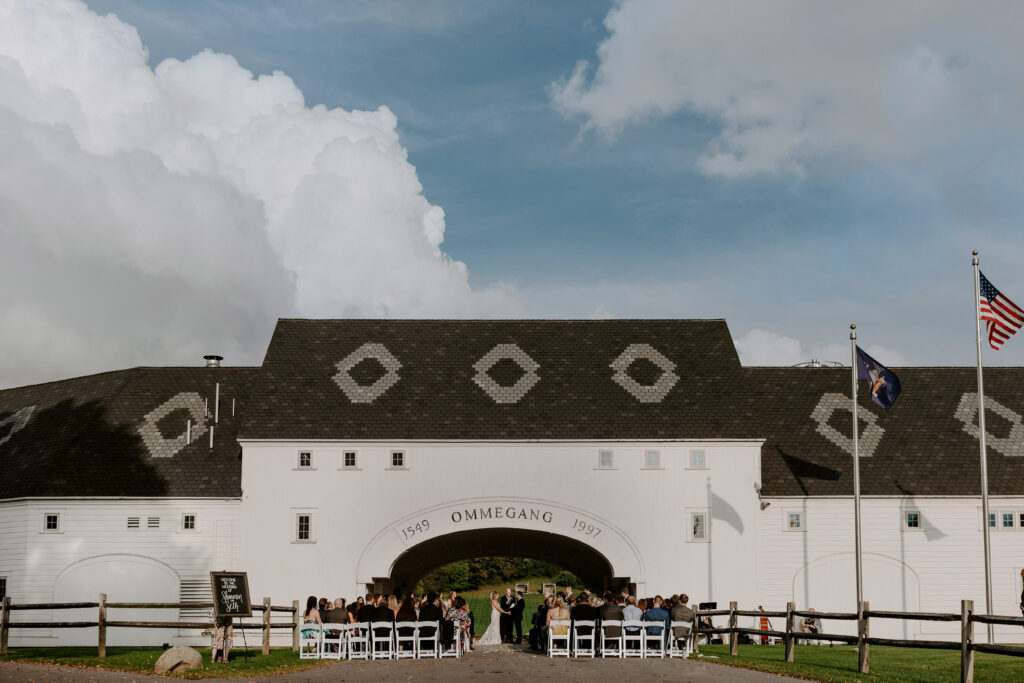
(163, 447)
(652, 393)
(967, 412)
(367, 393)
(16, 422)
(869, 436)
(515, 392)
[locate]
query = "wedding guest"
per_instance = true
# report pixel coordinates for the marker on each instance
(624, 593)
(681, 612)
(568, 597)
(365, 613)
(406, 612)
(223, 639)
(430, 610)
(460, 617)
(352, 609)
(338, 615)
(324, 605)
(657, 612)
(539, 619)
(642, 604)
(558, 613)
(611, 610)
(583, 611)
(393, 605)
(382, 613)
(449, 604)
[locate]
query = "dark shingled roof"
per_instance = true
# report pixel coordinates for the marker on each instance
(82, 438)
(436, 397)
(86, 436)
(923, 451)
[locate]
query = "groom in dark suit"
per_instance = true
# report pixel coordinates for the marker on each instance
(507, 603)
(517, 616)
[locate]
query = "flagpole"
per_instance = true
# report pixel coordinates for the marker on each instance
(856, 462)
(981, 442)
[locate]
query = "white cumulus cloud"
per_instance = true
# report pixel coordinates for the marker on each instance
(790, 82)
(151, 215)
(764, 347)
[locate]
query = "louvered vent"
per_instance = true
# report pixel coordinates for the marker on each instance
(133, 522)
(195, 590)
(153, 522)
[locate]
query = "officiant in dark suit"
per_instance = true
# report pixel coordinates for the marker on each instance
(507, 603)
(517, 616)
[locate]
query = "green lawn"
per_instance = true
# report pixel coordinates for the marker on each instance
(142, 659)
(480, 604)
(839, 663)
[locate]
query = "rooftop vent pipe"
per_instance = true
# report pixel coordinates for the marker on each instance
(213, 361)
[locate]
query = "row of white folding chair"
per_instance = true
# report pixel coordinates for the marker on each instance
(354, 641)
(647, 639)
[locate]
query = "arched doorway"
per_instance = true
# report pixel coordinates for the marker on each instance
(584, 561)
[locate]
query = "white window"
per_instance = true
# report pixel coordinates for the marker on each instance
(188, 521)
(652, 460)
(305, 460)
(152, 522)
(398, 460)
(793, 520)
(697, 460)
(912, 520)
(51, 522)
(303, 527)
(992, 520)
(348, 460)
(697, 526)
(1020, 520)
(605, 460)
(133, 523)
(1006, 520)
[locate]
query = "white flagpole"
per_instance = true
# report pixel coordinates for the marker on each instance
(981, 442)
(856, 463)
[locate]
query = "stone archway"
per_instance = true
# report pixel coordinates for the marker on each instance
(586, 544)
(581, 559)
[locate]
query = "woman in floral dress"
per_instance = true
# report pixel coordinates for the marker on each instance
(223, 639)
(459, 616)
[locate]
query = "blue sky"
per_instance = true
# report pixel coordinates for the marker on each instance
(789, 171)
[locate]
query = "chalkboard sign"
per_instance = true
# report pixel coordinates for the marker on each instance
(230, 594)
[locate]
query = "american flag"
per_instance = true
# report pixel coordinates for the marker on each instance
(1003, 317)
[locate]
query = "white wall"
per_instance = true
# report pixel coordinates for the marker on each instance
(358, 513)
(929, 570)
(94, 552)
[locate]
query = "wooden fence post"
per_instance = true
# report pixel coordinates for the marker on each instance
(863, 630)
(298, 623)
(967, 641)
(5, 623)
(734, 642)
(266, 626)
(789, 639)
(101, 627)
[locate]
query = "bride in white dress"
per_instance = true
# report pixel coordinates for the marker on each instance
(492, 636)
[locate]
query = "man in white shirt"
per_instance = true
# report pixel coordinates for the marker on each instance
(632, 613)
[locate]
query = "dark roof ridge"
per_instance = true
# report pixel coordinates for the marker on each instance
(126, 371)
(500, 320)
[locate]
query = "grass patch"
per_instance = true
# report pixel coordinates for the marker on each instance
(839, 663)
(141, 660)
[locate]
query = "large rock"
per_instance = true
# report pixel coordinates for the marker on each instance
(178, 659)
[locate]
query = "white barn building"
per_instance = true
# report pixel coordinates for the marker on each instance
(364, 453)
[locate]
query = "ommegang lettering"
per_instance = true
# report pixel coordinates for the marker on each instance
(500, 512)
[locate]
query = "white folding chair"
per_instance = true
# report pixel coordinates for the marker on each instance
(405, 645)
(332, 644)
(586, 649)
(383, 639)
(679, 646)
(654, 643)
(359, 640)
(564, 638)
(427, 639)
(611, 646)
(455, 649)
(310, 637)
(633, 636)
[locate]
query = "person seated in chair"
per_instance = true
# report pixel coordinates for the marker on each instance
(583, 611)
(365, 613)
(681, 612)
(381, 612)
(657, 612)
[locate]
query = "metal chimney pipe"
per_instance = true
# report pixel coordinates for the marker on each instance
(213, 361)
(216, 403)
(188, 432)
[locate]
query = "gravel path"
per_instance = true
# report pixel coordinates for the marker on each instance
(495, 663)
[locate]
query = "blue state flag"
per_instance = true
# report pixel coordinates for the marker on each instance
(885, 385)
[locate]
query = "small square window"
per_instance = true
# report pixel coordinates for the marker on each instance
(697, 460)
(698, 526)
(51, 521)
(912, 520)
(349, 460)
(305, 460)
(605, 459)
(992, 520)
(188, 521)
(652, 460)
(133, 522)
(304, 528)
(1007, 520)
(794, 520)
(397, 460)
